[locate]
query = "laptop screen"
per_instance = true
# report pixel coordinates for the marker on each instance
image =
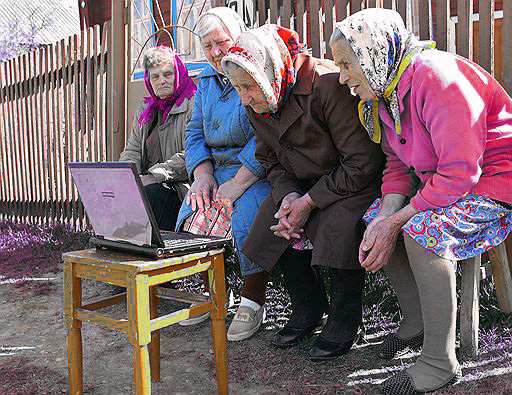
(113, 202)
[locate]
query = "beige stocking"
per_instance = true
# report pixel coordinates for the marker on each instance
(400, 275)
(435, 278)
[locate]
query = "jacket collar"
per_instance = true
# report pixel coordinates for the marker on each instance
(208, 71)
(305, 76)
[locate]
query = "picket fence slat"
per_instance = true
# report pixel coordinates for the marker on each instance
(486, 35)
(465, 28)
(328, 26)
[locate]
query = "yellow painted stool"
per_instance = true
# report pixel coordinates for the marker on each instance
(141, 277)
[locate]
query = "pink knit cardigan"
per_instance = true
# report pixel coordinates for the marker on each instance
(456, 133)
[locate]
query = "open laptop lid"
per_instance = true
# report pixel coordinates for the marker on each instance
(115, 201)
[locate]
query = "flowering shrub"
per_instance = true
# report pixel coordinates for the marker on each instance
(17, 38)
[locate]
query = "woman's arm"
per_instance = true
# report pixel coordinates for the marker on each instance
(231, 190)
(204, 186)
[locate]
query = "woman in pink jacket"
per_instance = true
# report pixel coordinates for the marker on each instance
(445, 126)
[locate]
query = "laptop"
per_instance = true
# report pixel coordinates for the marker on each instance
(121, 217)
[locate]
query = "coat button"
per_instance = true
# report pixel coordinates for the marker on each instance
(289, 147)
(403, 141)
(412, 169)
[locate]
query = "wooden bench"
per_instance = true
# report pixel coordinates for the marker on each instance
(141, 277)
(472, 273)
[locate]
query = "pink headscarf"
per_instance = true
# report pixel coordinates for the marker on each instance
(184, 88)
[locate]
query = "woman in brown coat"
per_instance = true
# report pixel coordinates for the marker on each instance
(324, 173)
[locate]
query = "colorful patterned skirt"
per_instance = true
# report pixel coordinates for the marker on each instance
(466, 228)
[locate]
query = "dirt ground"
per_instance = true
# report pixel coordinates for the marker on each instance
(33, 356)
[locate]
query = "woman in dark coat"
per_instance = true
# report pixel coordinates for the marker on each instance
(324, 173)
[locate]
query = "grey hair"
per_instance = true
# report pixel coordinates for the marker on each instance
(336, 36)
(207, 23)
(157, 56)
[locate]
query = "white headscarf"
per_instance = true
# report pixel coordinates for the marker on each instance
(233, 22)
(384, 48)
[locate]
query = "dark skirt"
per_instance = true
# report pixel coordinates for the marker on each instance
(335, 231)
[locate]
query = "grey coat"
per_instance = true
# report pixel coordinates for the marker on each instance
(172, 143)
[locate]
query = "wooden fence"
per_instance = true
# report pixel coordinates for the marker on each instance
(54, 110)
(54, 102)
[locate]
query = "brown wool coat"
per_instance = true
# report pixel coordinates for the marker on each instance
(318, 146)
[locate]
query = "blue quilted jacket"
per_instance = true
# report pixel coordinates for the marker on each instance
(219, 130)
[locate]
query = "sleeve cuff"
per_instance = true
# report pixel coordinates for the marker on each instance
(401, 187)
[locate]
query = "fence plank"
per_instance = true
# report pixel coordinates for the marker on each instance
(48, 134)
(299, 19)
(53, 137)
(76, 130)
(287, 13)
(65, 89)
(20, 131)
(3, 141)
(371, 3)
(60, 136)
(89, 91)
(12, 144)
(102, 99)
(486, 36)
(355, 6)
(388, 4)
(442, 23)
(43, 125)
(425, 21)
(108, 86)
(507, 46)
(262, 12)
(315, 15)
(328, 26)
(465, 28)
(29, 133)
(35, 135)
(401, 7)
(95, 107)
(274, 12)
(341, 10)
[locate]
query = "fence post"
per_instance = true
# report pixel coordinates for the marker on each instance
(507, 46)
(118, 70)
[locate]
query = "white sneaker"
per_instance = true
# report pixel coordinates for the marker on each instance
(195, 320)
(246, 323)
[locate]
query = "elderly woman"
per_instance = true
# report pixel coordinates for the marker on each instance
(445, 126)
(324, 172)
(156, 141)
(220, 161)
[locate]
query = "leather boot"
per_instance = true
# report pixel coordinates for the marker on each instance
(344, 325)
(307, 295)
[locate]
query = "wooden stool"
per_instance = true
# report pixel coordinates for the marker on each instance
(472, 274)
(141, 276)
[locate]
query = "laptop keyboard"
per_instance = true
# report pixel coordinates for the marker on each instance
(183, 242)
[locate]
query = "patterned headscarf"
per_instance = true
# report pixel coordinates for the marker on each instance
(384, 48)
(268, 54)
(233, 22)
(184, 88)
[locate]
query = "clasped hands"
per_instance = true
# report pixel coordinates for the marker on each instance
(293, 214)
(204, 189)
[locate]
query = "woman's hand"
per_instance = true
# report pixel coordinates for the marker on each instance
(199, 194)
(369, 237)
(379, 243)
(228, 193)
(292, 215)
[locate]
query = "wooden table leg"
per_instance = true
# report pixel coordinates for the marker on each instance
(470, 305)
(218, 292)
(139, 332)
(141, 370)
(72, 299)
(154, 346)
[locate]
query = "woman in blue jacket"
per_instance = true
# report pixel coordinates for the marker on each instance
(219, 144)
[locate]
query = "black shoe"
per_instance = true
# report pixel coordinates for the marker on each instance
(289, 336)
(401, 384)
(393, 345)
(324, 350)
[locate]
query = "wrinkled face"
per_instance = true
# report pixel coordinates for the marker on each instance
(215, 45)
(249, 91)
(161, 78)
(351, 73)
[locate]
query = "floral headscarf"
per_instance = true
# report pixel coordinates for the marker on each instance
(384, 48)
(233, 22)
(184, 88)
(268, 54)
